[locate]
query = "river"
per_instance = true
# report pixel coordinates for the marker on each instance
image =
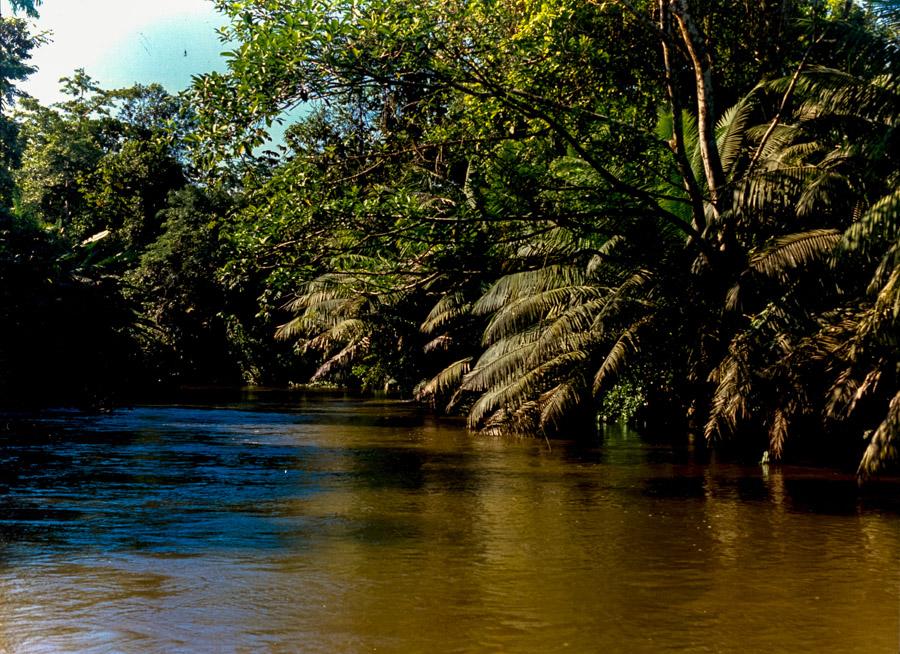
(310, 524)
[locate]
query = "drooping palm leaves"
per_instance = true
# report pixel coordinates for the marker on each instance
(821, 322)
(775, 276)
(556, 335)
(331, 319)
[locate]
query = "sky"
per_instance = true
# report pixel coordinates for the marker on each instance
(122, 42)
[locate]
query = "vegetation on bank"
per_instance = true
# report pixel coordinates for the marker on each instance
(530, 213)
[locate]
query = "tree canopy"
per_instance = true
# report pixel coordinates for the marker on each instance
(552, 220)
(537, 214)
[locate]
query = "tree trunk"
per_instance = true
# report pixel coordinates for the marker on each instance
(675, 101)
(706, 114)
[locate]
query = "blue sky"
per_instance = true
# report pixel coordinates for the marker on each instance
(121, 42)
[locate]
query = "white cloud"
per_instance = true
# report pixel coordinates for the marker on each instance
(120, 42)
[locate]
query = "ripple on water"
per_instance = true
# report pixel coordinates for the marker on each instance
(333, 526)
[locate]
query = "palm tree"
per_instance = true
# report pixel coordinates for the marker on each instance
(821, 304)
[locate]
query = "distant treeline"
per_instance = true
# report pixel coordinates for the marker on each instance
(534, 213)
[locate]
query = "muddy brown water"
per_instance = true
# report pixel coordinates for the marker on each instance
(340, 525)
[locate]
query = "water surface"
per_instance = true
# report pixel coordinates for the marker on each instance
(337, 525)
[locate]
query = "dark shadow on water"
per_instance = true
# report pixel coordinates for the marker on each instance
(746, 489)
(385, 531)
(842, 496)
(413, 469)
(802, 491)
(675, 487)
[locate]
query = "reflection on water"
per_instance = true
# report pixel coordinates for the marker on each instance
(347, 526)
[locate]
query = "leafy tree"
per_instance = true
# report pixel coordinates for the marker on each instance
(177, 288)
(63, 330)
(29, 7)
(675, 207)
(103, 179)
(16, 45)
(101, 162)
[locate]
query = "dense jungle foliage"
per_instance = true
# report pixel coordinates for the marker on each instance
(536, 214)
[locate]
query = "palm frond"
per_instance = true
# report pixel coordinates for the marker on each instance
(341, 333)
(691, 134)
(778, 148)
(888, 265)
(774, 189)
(733, 298)
(731, 399)
(440, 343)
(557, 402)
(449, 377)
(778, 432)
(731, 133)
(887, 12)
(558, 241)
(831, 92)
(342, 359)
(841, 395)
(887, 304)
(522, 284)
(450, 307)
(820, 193)
(574, 327)
(321, 290)
(795, 250)
(599, 260)
(502, 360)
(294, 328)
(618, 353)
(882, 446)
(521, 388)
(525, 311)
(630, 292)
(878, 225)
